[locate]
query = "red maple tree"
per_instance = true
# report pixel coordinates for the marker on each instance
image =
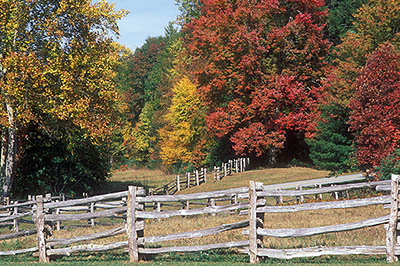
(375, 106)
(259, 68)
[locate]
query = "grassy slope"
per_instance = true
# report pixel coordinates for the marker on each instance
(266, 176)
(155, 178)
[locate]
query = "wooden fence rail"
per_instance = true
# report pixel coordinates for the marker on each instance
(130, 206)
(256, 231)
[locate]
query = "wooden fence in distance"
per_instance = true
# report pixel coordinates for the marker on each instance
(132, 207)
(198, 177)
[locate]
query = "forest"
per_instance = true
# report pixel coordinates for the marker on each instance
(286, 83)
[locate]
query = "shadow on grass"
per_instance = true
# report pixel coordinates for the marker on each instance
(117, 186)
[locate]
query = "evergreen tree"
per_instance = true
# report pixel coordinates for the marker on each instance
(340, 17)
(331, 148)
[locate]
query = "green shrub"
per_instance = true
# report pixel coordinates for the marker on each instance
(60, 163)
(389, 165)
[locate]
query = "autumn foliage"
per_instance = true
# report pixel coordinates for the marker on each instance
(178, 136)
(375, 113)
(57, 63)
(260, 69)
(257, 78)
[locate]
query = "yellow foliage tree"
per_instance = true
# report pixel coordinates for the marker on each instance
(179, 135)
(56, 67)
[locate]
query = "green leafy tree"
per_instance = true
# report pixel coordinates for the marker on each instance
(143, 139)
(189, 9)
(389, 165)
(60, 163)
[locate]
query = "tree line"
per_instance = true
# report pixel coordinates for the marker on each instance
(283, 82)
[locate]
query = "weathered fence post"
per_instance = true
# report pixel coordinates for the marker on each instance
(255, 220)
(178, 183)
(277, 198)
(58, 223)
(297, 197)
(336, 194)
(40, 220)
(320, 195)
(215, 173)
(212, 202)
(301, 197)
(225, 170)
(16, 229)
(188, 179)
(237, 165)
(159, 209)
(131, 225)
(393, 220)
(317, 196)
(205, 174)
(197, 178)
(92, 210)
(10, 211)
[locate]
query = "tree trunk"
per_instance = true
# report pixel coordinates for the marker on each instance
(4, 134)
(272, 153)
(11, 151)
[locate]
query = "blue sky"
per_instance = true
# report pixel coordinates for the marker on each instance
(146, 18)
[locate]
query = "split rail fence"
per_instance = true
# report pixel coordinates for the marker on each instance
(198, 177)
(131, 208)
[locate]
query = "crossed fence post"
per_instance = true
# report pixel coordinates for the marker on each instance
(392, 232)
(256, 220)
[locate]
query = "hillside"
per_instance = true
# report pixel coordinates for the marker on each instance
(154, 178)
(266, 176)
